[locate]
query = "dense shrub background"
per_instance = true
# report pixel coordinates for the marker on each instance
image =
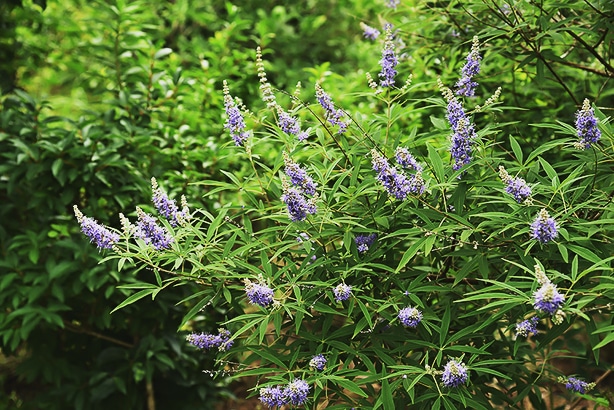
(112, 93)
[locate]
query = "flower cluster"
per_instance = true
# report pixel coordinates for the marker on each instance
(234, 123)
(454, 373)
(207, 340)
(389, 60)
(577, 385)
(149, 231)
(295, 195)
(369, 32)
(586, 126)
(265, 88)
(463, 131)
(544, 228)
(527, 327)
(342, 292)
(168, 207)
(98, 234)
(406, 160)
(517, 187)
(294, 393)
(317, 362)
(547, 299)
(290, 125)
(333, 115)
(466, 86)
(397, 183)
(392, 3)
(258, 293)
(364, 242)
(410, 316)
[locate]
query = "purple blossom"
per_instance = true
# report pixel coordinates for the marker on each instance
(527, 327)
(389, 60)
(168, 207)
(234, 123)
(406, 160)
(298, 176)
(98, 234)
(410, 316)
(454, 373)
(290, 125)
(392, 3)
(298, 205)
(397, 183)
(369, 32)
(544, 228)
(333, 115)
(149, 231)
(463, 132)
(342, 292)
(517, 187)
(317, 362)
(272, 396)
(258, 293)
(296, 391)
(364, 242)
(578, 386)
(207, 340)
(466, 86)
(547, 299)
(586, 126)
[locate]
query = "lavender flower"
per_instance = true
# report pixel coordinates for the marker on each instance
(363, 242)
(465, 86)
(454, 373)
(317, 362)
(296, 392)
(579, 386)
(235, 123)
(527, 327)
(149, 231)
(342, 292)
(392, 3)
(290, 125)
(396, 183)
(258, 293)
(406, 160)
(369, 32)
(463, 131)
(389, 60)
(517, 187)
(298, 205)
(332, 114)
(547, 299)
(410, 316)
(586, 126)
(168, 207)
(99, 234)
(298, 176)
(272, 396)
(302, 237)
(544, 228)
(207, 340)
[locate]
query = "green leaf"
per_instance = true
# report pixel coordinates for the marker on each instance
(133, 298)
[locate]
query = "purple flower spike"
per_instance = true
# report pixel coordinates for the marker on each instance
(463, 131)
(207, 340)
(406, 160)
(98, 234)
(342, 292)
(258, 293)
(153, 234)
(272, 396)
(410, 317)
(527, 327)
(234, 123)
(454, 374)
(168, 207)
(586, 126)
(548, 299)
(333, 115)
(544, 228)
(578, 386)
(369, 32)
(466, 86)
(296, 392)
(397, 183)
(517, 187)
(318, 362)
(389, 60)
(364, 242)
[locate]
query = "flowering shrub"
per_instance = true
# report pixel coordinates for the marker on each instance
(409, 283)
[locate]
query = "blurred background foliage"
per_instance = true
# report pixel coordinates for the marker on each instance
(99, 96)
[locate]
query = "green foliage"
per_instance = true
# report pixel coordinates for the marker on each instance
(132, 90)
